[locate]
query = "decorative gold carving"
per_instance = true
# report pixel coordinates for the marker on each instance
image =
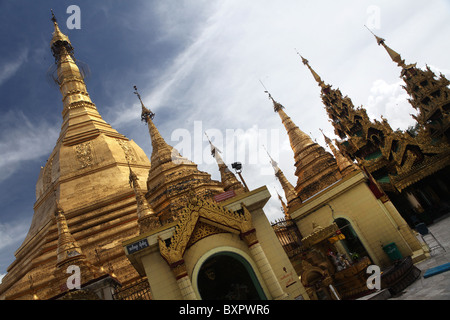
(319, 234)
(210, 213)
(48, 173)
(179, 269)
(130, 155)
(250, 237)
(203, 230)
(80, 294)
(399, 152)
(84, 154)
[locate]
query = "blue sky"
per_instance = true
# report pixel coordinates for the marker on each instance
(197, 65)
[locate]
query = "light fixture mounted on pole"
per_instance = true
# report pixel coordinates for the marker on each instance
(237, 166)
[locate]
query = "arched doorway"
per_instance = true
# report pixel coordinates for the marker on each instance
(352, 243)
(228, 276)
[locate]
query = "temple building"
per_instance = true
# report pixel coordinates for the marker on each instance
(412, 166)
(109, 223)
(215, 243)
(343, 223)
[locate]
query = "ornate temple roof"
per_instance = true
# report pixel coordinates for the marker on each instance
(387, 154)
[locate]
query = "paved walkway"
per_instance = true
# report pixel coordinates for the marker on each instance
(436, 287)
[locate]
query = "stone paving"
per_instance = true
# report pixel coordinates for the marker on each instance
(436, 287)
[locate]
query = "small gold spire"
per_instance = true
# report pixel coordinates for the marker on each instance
(67, 245)
(276, 106)
(314, 73)
(284, 207)
(288, 188)
(394, 55)
(344, 164)
(298, 139)
(53, 16)
(215, 152)
(272, 162)
(161, 151)
(146, 113)
(147, 219)
(57, 34)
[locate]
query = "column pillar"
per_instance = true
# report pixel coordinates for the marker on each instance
(263, 264)
(414, 202)
(183, 281)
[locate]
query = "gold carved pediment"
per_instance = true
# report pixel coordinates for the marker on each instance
(201, 218)
(203, 230)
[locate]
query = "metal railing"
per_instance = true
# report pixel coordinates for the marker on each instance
(289, 236)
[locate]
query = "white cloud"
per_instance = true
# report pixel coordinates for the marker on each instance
(9, 69)
(390, 101)
(12, 233)
(23, 140)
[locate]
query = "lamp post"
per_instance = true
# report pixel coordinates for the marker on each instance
(237, 166)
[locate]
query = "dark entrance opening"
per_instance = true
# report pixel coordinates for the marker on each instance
(351, 242)
(228, 276)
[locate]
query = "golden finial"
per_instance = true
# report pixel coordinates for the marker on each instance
(272, 162)
(146, 113)
(379, 40)
(394, 55)
(276, 106)
(53, 16)
(60, 43)
(305, 62)
(327, 140)
(214, 149)
(314, 73)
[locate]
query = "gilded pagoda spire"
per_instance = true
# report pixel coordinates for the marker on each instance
(315, 168)
(69, 77)
(147, 219)
(288, 188)
(284, 207)
(162, 152)
(313, 72)
(394, 55)
(68, 248)
(59, 36)
(69, 254)
(171, 175)
(81, 120)
(229, 180)
(344, 164)
(298, 139)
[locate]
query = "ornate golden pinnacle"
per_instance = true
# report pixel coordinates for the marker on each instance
(53, 16)
(146, 113)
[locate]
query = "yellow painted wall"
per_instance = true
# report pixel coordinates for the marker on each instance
(352, 199)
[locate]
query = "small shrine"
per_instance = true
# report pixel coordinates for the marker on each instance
(324, 270)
